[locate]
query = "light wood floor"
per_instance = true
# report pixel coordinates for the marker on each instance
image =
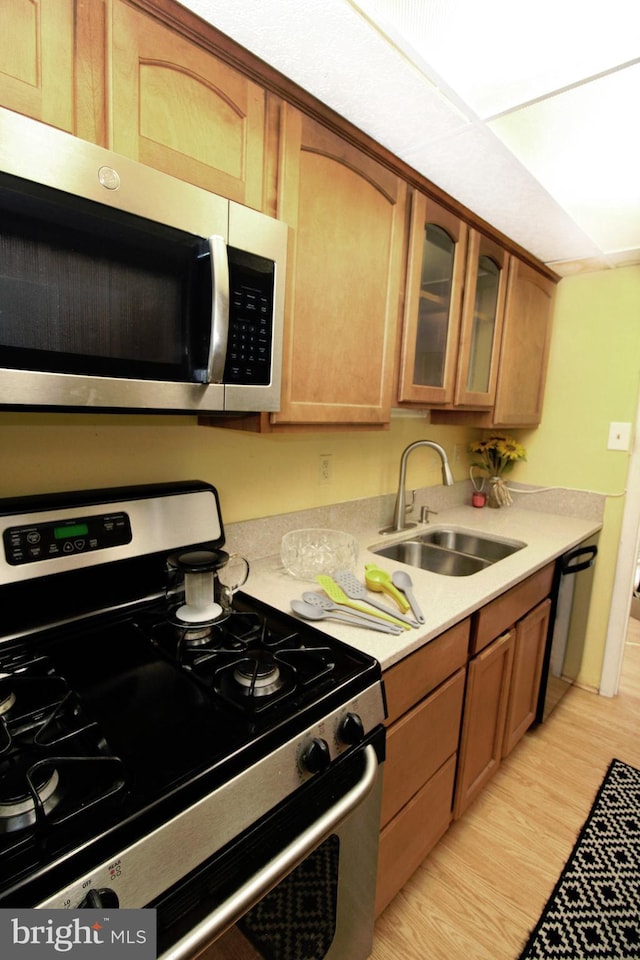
(482, 889)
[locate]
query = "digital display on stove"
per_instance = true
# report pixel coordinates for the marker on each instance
(73, 530)
(49, 540)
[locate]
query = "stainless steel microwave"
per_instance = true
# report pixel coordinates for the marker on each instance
(125, 289)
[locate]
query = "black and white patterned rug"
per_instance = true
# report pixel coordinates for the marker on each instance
(594, 910)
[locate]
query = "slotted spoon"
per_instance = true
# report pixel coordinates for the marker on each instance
(357, 591)
(310, 611)
(325, 603)
(337, 594)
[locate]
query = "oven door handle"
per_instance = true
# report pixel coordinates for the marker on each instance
(254, 889)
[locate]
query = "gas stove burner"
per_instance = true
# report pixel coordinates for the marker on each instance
(7, 695)
(18, 803)
(195, 634)
(259, 676)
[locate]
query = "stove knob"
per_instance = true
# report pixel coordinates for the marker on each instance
(102, 899)
(351, 729)
(316, 757)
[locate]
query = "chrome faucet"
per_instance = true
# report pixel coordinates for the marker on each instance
(400, 509)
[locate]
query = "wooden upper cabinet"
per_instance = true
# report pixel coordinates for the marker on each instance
(482, 317)
(433, 304)
(346, 213)
(36, 60)
(178, 108)
(525, 347)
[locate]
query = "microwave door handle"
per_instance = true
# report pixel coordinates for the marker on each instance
(224, 915)
(219, 333)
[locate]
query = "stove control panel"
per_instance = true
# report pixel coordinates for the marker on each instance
(34, 542)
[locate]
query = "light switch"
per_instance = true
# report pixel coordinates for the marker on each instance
(619, 436)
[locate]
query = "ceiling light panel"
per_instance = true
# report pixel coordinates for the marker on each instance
(497, 54)
(583, 146)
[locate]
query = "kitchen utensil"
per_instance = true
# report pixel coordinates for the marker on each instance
(378, 579)
(325, 603)
(305, 553)
(404, 582)
(311, 612)
(337, 594)
(357, 591)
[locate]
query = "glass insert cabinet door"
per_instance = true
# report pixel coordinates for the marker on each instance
(433, 303)
(482, 319)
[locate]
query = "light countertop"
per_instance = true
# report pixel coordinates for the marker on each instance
(444, 600)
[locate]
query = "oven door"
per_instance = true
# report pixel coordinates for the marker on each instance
(299, 885)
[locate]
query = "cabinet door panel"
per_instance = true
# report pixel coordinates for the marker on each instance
(482, 319)
(346, 212)
(525, 347)
(407, 682)
(489, 676)
(409, 837)
(420, 742)
(433, 302)
(36, 60)
(505, 610)
(178, 108)
(529, 646)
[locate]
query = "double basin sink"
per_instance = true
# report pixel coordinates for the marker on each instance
(450, 551)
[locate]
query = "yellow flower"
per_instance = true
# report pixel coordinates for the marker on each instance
(497, 454)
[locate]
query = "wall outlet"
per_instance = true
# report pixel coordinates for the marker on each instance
(459, 450)
(619, 436)
(325, 468)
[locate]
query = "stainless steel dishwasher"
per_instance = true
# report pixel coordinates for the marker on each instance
(571, 598)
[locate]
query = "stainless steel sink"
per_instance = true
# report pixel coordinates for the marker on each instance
(473, 544)
(450, 551)
(435, 559)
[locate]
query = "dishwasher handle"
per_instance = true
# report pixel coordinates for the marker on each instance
(572, 563)
(259, 885)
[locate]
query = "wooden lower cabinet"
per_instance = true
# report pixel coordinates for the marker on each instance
(411, 835)
(420, 742)
(528, 655)
(508, 639)
(489, 676)
(457, 707)
(425, 693)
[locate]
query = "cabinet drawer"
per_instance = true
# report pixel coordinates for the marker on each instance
(419, 743)
(504, 611)
(418, 674)
(408, 838)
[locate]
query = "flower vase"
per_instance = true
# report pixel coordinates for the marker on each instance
(498, 495)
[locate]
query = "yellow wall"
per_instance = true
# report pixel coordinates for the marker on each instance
(593, 379)
(255, 475)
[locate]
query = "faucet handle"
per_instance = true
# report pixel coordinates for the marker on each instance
(424, 514)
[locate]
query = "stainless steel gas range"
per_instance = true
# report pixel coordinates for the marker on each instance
(225, 772)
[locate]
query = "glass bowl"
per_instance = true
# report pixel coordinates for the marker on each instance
(306, 553)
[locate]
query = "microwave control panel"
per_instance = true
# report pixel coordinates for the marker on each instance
(250, 337)
(34, 542)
